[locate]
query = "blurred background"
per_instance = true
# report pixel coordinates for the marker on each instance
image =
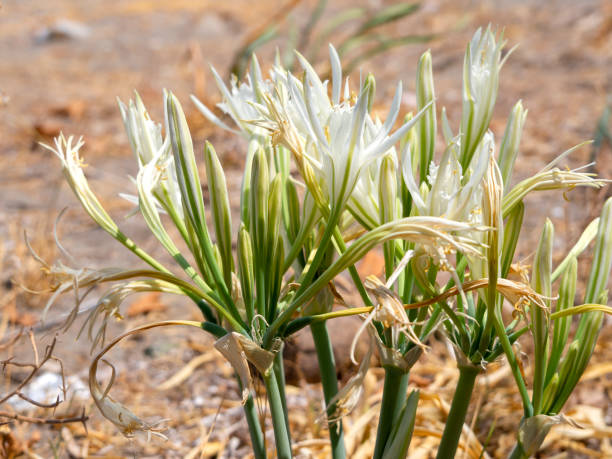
(63, 63)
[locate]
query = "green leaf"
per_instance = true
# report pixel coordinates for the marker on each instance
(383, 44)
(583, 242)
(243, 56)
(399, 440)
(335, 22)
(390, 14)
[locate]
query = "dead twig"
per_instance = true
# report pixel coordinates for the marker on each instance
(82, 418)
(35, 368)
(48, 355)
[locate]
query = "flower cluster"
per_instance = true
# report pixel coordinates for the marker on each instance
(326, 181)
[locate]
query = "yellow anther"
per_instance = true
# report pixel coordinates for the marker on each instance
(79, 161)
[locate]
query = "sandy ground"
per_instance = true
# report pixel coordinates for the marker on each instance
(562, 70)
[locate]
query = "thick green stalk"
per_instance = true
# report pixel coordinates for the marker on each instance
(257, 438)
(394, 396)
(458, 411)
(281, 434)
(329, 381)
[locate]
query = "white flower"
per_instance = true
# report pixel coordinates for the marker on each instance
(150, 148)
(239, 101)
(108, 306)
(551, 178)
(145, 135)
(336, 138)
(124, 419)
(364, 202)
(481, 68)
(492, 191)
(451, 195)
(345, 401)
(72, 166)
(150, 182)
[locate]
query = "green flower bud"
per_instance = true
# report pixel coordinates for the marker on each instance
(191, 195)
(541, 283)
(370, 85)
(274, 209)
(512, 231)
(185, 163)
(387, 189)
(602, 256)
(260, 185)
(293, 210)
(590, 323)
(245, 270)
(510, 143)
(426, 127)
(567, 292)
(219, 200)
(481, 68)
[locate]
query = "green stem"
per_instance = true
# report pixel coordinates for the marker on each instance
(257, 438)
(517, 453)
(307, 278)
(329, 381)
(352, 270)
(458, 411)
(281, 434)
(308, 287)
(394, 396)
(260, 300)
(279, 372)
(128, 243)
(429, 325)
(298, 244)
(131, 245)
(514, 366)
(464, 337)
